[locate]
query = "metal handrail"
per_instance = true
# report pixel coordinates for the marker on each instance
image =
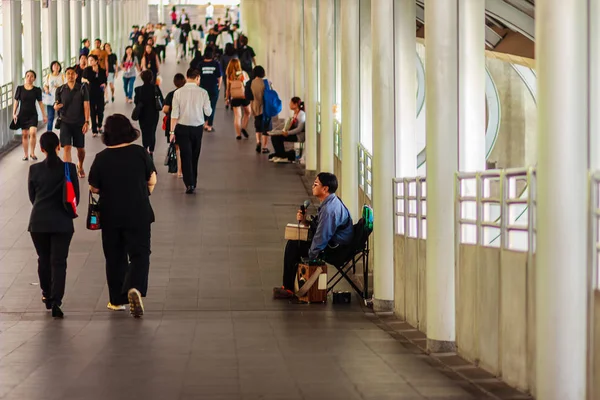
(6, 104)
(365, 172)
(337, 139)
(318, 119)
(595, 224)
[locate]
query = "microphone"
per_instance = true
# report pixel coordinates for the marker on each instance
(304, 206)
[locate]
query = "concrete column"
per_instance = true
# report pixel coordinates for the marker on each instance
(103, 21)
(311, 68)
(76, 27)
(405, 39)
(471, 78)
(298, 33)
(441, 43)
(49, 33)
(161, 11)
(95, 21)
(382, 29)
(64, 34)
(87, 21)
(32, 20)
(594, 56)
(327, 71)
(13, 57)
(562, 239)
(350, 104)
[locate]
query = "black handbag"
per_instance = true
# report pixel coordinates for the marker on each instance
(137, 110)
(58, 123)
(15, 125)
(93, 216)
(172, 159)
(157, 99)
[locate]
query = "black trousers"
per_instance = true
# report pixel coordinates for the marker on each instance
(161, 50)
(52, 250)
(278, 142)
(149, 134)
(213, 94)
(296, 249)
(97, 113)
(189, 139)
(127, 254)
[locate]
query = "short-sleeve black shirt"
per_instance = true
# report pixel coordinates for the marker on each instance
(121, 174)
(27, 99)
(112, 61)
(210, 72)
(169, 102)
(72, 101)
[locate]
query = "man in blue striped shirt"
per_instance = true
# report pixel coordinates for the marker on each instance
(333, 234)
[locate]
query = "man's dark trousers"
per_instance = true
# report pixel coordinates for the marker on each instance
(189, 139)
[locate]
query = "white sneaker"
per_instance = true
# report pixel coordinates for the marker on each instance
(280, 160)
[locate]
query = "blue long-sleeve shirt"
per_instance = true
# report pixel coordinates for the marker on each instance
(334, 225)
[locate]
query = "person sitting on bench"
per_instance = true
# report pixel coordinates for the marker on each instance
(333, 233)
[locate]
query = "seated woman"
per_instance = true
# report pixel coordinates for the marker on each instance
(292, 131)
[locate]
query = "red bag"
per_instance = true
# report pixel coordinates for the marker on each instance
(69, 198)
(164, 125)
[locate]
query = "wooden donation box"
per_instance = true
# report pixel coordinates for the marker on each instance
(296, 232)
(312, 282)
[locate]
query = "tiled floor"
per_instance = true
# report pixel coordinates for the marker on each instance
(211, 330)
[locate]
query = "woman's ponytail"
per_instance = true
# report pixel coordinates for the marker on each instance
(301, 105)
(49, 142)
(296, 100)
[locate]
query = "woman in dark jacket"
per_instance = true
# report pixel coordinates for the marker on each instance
(50, 225)
(124, 176)
(96, 78)
(146, 98)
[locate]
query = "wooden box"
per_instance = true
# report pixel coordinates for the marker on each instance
(316, 277)
(296, 232)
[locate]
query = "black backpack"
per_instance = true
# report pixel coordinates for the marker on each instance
(246, 59)
(248, 90)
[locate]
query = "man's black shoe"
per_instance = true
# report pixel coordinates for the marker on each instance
(189, 190)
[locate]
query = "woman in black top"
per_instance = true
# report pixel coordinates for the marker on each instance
(178, 81)
(95, 77)
(50, 225)
(25, 112)
(124, 176)
(146, 96)
(150, 61)
(79, 68)
(113, 69)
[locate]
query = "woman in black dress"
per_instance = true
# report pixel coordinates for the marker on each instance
(95, 77)
(79, 68)
(150, 61)
(124, 176)
(146, 96)
(50, 225)
(25, 112)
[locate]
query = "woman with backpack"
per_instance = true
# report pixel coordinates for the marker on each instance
(236, 84)
(246, 55)
(229, 55)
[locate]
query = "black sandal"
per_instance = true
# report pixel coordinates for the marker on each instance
(25, 158)
(33, 157)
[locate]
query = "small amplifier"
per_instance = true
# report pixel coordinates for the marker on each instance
(342, 297)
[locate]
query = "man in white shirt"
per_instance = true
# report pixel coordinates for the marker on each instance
(190, 104)
(160, 41)
(209, 12)
(175, 35)
(196, 38)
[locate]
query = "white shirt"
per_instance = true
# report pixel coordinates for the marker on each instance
(210, 10)
(233, 13)
(190, 104)
(196, 35)
(175, 33)
(160, 37)
(222, 40)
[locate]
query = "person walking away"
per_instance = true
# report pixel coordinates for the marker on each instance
(150, 62)
(146, 96)
(124, 176)
(210, 80)
(211, 38)
(190, 104)
(52, 81)
(85, 50)
(101, 55)
(73, 106)
(229, 55)
(208, 13)
(224, 39)
(130, 66)
(293, 132)
(95, 77)
(79, 68)
(195, 34)
(113, 69)
(247, 56)
(183, 39)
(50, 225)
(25, 112)
(235, 34)
(262, 124)
(139, 48)
(173, 15)
(160, 40)
(178, 81)
(236, 83)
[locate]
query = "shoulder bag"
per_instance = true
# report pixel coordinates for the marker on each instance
(157, 99)
(93, 216)
(69, 198)
(236, 88)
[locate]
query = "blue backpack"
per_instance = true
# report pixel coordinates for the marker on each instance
(271, 102)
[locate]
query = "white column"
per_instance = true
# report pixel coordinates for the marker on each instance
(76, 28)
(64, 34)
(102, 21)
(32, 21)
(49, 33)
(405, 39)
(111, 17)
(298, 32)
(471, 78)
(350, 104)
(95, 21)
(311, 68)
(327, 71)
(441, 44)
(12, 41)
(594, 29)
(561, 278)
(382, 29)
(87, 21)
(161, 11)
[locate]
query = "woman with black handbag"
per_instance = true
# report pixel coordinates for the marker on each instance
(51, 221)
(124, 176)
(25, 115)
(149, 102)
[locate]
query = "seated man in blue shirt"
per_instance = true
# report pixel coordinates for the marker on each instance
(333, 233)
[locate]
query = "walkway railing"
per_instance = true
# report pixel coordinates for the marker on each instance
(337, 139)
(595, 226)
(410, 207)
(365, 172)
(6, 108)
(318, 118)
